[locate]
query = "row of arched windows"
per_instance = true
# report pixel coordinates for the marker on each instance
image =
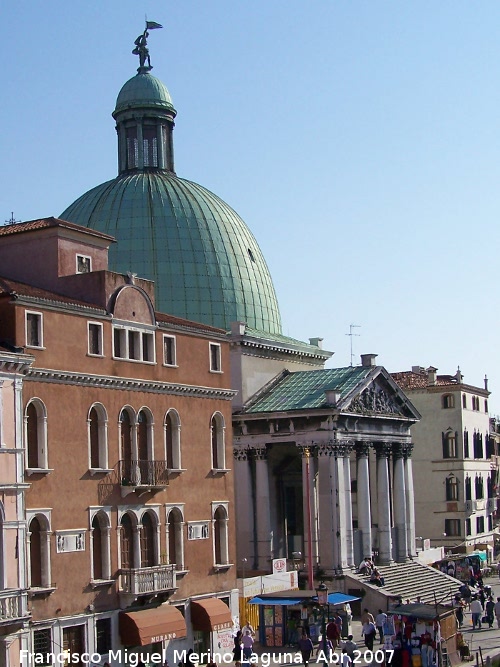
(138, 543)
(136, 437)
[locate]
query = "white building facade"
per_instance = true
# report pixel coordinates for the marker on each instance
(454, 461)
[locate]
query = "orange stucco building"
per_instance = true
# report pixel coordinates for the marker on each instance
(125, 460)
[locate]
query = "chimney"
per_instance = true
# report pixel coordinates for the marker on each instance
(486, 383)
(431, 375)
(368, 359)
(317, 342)
(332, 397)
(238, 328)
(417, 369)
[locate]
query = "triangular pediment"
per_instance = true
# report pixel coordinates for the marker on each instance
(380, 395)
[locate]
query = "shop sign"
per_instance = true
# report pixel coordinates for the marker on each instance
(279, 565)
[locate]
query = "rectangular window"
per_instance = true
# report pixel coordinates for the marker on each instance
(95, 339)
(215, 358)
(83, 264)
(103, 635)
(480, 524)
(452, 527)
(169, 351)
(34, 332)
(42, 647)
(134, 345)
(119, 343)
(468, 527)
(147, 347)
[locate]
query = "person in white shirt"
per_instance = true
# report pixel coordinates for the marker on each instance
(345, 659)
(476, 609)
(380, 621)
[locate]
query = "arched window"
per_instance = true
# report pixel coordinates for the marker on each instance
(172, 426)
(145, 456)
(100, 541)
(35, 426)
(449, 444)
(221, 556)
(448, 401)
(175, 543)
(468, 488)
(126, 446)
(148, 541)
(142, 436)
(466, 444)
(217, 429)
(478, 445)
(452, 488)
(464, 400)
(39, 551)
(479, 484)
(97, 426)
(127, 543)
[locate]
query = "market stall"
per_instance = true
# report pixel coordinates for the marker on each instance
(283, 615)
(422, 635)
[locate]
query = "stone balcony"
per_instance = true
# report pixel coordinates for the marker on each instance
(13, 606)
(147, 580)
(142, 476)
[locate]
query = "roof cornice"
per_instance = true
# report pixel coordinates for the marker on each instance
(129, 384)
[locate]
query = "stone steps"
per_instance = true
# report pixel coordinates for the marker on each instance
(411, 580)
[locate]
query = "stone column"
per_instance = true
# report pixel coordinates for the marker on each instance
(137, 532)
(384, 503)
(400, 504)
(106, 553)
(262, 515)
(364, 504)
(410, 500)
(244, 506)
(349, 538)
(307, 509)
(329, 532)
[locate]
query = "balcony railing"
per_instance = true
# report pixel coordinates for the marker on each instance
(144, 473)
(144, 580)
(13, 605)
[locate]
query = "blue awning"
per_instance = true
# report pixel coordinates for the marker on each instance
(300, 598)
(274, 601)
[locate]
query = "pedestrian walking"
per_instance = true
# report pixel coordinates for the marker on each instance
(306, 648)
(345, 659)
(476, 609)
(496, 610)
(380, 621)
(369, 632)
(247, 642)
(350, 646)
(489, 611)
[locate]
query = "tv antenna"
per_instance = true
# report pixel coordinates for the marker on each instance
(351, 334)
(11, 220)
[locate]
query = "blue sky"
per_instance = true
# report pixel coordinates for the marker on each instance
(359, 140)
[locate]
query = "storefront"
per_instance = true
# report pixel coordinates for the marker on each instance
(212, 625)
(145, 632)
(422, 635)
(283, 615)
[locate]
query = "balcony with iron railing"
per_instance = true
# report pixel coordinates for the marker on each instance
(13, 606)
(148, 580)
(143, 475)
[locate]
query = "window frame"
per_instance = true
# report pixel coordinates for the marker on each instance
(218, 445)
(36, 653)
(178, 538)
(215, 362)
(103, 516)
(102, 438)
(447, 401)
(176, 451)
(78, 257)
(27, 336)
(44, 518)
(173, 343)
(100, 339)
(220, 535)
(41, 435)
(453, 527)
(452, 486)
(136, 335)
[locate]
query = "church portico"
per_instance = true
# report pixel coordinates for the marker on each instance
(337, 477)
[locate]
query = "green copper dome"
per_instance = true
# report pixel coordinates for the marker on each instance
(206, 264)
(143, 90)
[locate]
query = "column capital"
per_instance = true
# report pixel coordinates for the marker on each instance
(342, 448)
(259, 453)
(240, 453)
(363, 449)
(325, 449)
(407, 448)
(402, 450)
(307, 449)
(383, 449)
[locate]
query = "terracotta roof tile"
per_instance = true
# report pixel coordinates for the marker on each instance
(45, 223)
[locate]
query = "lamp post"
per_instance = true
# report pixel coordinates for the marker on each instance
(244, 562)
(322, 593)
